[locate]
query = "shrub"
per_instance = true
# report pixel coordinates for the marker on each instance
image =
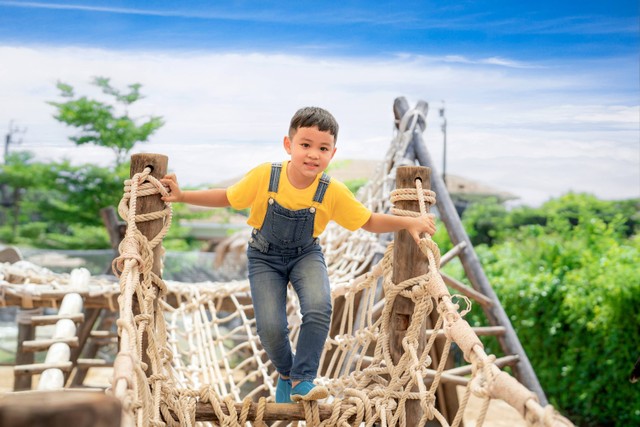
(572, 291)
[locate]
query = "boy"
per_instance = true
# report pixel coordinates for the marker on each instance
(291, 203)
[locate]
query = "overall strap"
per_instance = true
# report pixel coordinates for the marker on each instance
(274, 179)
(322, 188)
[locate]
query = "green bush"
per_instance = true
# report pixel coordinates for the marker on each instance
(572, 290)
(77, 237)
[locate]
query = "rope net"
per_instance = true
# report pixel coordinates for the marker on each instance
(203, 349)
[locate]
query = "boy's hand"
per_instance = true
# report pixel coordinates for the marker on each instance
(422, 224)
(171, 182)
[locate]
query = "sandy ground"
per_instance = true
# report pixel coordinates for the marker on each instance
(500, 414)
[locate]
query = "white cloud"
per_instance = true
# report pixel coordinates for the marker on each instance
(227, 112)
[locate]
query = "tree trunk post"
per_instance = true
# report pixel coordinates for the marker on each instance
(408, 262)
(147, 204)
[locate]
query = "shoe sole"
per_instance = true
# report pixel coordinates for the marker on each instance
(316, 393)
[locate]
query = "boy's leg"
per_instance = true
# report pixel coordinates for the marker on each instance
(269, 296)
(311, 282)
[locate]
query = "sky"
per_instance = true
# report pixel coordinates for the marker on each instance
(540, 98)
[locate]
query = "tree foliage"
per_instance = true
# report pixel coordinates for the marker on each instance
(566, 274)
(58, 202)
(100, 123)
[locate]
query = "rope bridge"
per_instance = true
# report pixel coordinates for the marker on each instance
(200, 360)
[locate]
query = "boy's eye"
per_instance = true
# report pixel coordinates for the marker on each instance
(324, 149)
(305, 145)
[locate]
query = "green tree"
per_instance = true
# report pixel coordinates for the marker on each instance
(21, 178)
(566, 274)
(99, 123)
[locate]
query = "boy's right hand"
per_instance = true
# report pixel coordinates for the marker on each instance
(171, 183)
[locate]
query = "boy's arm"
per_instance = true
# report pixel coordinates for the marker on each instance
(383, 223)
(213, 198)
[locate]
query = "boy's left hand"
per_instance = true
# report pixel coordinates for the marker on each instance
(422, 224)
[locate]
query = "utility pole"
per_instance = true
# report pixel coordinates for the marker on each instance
(10, 138)
(444, 150)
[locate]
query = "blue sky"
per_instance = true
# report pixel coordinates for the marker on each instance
(541, 98)
(539, 30)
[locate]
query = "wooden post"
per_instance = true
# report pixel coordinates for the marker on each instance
(115, 228)
(26, 332)
(496, 314)
(147, 204)
(60, 409)
(158, 164)
(409, 262)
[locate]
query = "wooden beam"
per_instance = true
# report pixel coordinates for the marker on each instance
(44, 344)
(273, 412)
(36, 368)
(453, 252)
(56, 409)
(408, 262)
(467, 291)
(148, 204)
(51, 319)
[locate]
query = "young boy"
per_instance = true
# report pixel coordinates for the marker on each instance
(291, 203)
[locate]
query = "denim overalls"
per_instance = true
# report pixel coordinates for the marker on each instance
(282, 251)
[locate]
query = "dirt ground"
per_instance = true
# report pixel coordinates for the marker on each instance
(500, 414)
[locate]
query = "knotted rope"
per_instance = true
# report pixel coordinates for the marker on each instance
(365, 389)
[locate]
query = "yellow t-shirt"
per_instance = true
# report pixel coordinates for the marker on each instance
(339, 204)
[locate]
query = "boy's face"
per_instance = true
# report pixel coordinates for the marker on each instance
(311, 151)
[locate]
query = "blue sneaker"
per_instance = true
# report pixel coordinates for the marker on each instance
(283, 390)
(306, 390)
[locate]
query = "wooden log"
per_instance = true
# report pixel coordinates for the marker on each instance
(10, 254)
(149, 229)
(44, 344)
(36, 368)
(56, 409)
(496, 315)
(478, 297)
(93, 363)
(454, 252)
(273, 412)
(26, 332)
(409, 262)
(51, 319)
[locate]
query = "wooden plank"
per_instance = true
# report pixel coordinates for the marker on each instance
(484, 301)
(273, 412)
(479, 330)
(26, 332)
(501, 362)
(44, 344)
(60, 409)
(453, 252)
(36, 368)
(93, 363)
(51, 319)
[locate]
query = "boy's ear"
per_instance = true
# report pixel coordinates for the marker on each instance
(287, 144)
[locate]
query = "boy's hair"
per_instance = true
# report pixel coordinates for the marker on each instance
(308, 117)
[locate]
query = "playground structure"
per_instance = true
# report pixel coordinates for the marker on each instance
(189, 353)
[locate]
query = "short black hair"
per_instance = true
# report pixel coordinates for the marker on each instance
(308, 117)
